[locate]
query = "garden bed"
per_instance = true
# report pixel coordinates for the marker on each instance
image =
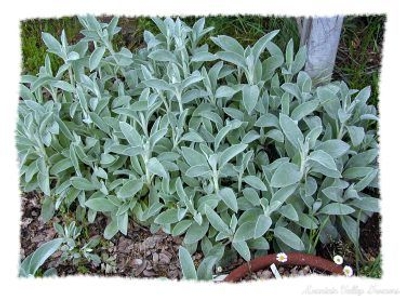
(227, 156)
(142, 254)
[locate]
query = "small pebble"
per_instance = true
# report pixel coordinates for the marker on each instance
(306, 268)
(155, 257)
(266, 274)
(281, 269)
(137, 261)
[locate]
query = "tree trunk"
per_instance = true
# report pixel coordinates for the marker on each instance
(321, 37)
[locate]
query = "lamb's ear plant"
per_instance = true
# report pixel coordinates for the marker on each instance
(236, 151)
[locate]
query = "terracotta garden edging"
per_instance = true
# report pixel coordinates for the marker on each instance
(264, 262)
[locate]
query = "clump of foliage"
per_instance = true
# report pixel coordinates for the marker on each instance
(236, 150)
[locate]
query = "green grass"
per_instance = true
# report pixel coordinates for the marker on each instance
(372, 269)
(359, 54)
(33, 48)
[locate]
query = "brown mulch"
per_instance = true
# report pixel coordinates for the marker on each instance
(139, 254)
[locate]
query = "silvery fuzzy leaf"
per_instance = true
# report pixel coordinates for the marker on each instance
(157, 136)
(95, 57)
(276, 135)
(203, 56)
(229, 44)
(289, 238)
(259, 244)
(244, 232)
(251, 136)
(48, 209)
(267, 120)
(320, 169)
(333, 193)
(210, 200)
(196, 232)
(193, 157)
(250, 97)
(304, 82)
(100, 204)
(163, 55)
(299, 60)
(362, 159)
(304, 109)
(187, 265)
(367, 203)
(262, 225)
(363, 95)
(289, 53)
(323, 158)
(369, 117)
(351, 228)
(192, 79)
(83, 184)
(153, 210)
(205, 269)
(286, 174)
(225, 91)
(181, 227)
(329, 101)
(192, 94)
(233, 223)
(251, 196)
(230, 153)
(356, 172)
(289, 212)
(255, 182)
(307, 222)
(244, 204)
(52, 44)
(32, 263)
(158, 84)
(263, 42)
(234, 113)
(291, 130)
(243, 250)
(57, 168)
(199, 171)
(212, 116)
(129, 189)
(336, 209)
(155, 167)
(63, 85)
(361, 185)
(343, 115)
(232, 57)
(216, 221)
(167, 217)
(284, 193)
(130, 133)
(293, 89)
(270, 65)
(228, 196)
(335, 148)
(357, 134)
(122, 223)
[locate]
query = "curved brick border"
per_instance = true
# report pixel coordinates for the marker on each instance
(292, 259)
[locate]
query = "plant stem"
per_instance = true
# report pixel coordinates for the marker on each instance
(319, 232)
(215, 180)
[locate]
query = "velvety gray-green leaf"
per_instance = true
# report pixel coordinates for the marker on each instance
(289, 238)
